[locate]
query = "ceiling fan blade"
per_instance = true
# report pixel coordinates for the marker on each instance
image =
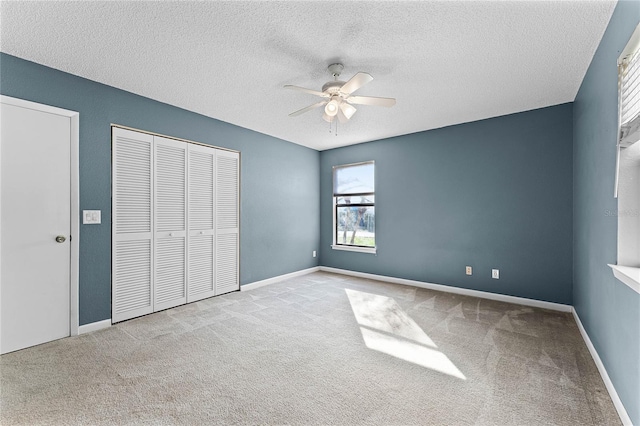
(302, 89)
(347, 110)
(356, 82)
(309, 108)
(371, 100)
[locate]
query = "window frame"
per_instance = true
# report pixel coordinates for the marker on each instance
(627, 269)
(334, 213)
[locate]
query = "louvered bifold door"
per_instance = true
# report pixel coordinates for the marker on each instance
(227, 221)
(132, 225)
(170, 223)
(201, 209)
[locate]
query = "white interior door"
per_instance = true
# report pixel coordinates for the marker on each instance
(132, 228)
(170, 223)
(227, 221)
(35, 210)
(201, 254)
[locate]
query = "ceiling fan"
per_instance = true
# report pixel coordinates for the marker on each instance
(338, 96)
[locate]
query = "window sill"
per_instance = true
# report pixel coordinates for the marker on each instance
(629, 275)
(371, 250)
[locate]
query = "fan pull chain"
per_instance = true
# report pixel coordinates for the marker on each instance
(331, 129)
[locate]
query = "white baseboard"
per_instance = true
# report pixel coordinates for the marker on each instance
(94, 326)
(456, 290)
(624, 417)
(273, 280)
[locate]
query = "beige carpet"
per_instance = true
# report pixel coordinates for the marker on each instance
(319, 349)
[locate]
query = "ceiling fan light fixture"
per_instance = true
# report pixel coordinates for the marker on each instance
(348, 110)
(328, 118)
(331, 109)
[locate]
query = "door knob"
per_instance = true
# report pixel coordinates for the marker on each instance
(60, 239)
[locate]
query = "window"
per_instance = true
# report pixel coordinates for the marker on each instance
(629, 98)
(628, 165)
(354, 215)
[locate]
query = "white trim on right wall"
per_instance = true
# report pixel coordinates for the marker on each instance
(624, 417)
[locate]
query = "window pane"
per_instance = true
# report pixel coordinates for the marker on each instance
(356, 199)
(356, 226)
(353, 179)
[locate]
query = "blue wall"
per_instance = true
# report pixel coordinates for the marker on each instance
(276, 237)
(490, 194)
(608, 309)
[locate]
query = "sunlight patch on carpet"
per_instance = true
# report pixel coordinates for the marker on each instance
(387, 328)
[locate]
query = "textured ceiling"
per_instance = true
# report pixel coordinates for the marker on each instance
(446, 62)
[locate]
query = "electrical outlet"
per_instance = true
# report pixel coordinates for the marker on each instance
(495, 274)
(469, 270)
(314, 253)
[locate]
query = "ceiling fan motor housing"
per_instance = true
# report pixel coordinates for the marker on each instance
(332, 87)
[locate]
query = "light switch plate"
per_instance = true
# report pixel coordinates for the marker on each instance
(91, 217)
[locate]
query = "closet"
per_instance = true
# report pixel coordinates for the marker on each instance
(175, 222)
